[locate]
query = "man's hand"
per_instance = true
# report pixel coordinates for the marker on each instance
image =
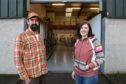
(27, 81)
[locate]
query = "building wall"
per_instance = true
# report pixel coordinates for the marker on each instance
(9, 28)
(115, 41)
(96, 26)
(115, 45)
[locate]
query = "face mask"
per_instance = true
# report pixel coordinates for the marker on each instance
(34, 27)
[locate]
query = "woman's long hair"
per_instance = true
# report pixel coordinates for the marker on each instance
(90, 34)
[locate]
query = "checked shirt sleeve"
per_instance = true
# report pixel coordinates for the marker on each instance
(18, 57)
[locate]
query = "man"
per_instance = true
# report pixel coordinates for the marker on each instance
(30, 53)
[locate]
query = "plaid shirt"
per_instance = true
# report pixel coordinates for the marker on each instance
(30, 55)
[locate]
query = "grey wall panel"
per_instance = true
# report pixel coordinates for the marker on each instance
(119, 8)
(4, 8)
(12, 8)
(20, 8)
(124, 8)
(111, 8)
(116, 8)
(0, 8)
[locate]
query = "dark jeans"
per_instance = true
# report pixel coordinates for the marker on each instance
(38, 80)
(86, 80)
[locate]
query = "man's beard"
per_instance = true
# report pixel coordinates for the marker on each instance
(35, 27)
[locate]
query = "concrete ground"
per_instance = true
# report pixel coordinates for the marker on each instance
(65, 78)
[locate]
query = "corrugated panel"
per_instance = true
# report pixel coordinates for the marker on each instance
(4, 8)
(0, 8)
(119, 8)
(103, 3)
(124, 8)
(111, 8)
(116, 8)
(20, 8)
(12, 8)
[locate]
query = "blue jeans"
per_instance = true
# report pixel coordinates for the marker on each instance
(86, 80)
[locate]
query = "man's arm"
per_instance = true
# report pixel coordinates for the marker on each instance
(18, 57)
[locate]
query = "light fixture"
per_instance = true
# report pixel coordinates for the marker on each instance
(68, 14)
(68, 10)
(76, 8)
(58, 4)
(72, 8)
(94, 8)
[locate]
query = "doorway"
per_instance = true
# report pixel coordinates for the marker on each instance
(59, 28)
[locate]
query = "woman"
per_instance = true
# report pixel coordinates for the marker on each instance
(88, 56)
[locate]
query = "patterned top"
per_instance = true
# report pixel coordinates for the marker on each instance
(88, 52)
(30, 55)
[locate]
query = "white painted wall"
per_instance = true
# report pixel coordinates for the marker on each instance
(9, 28)
(96, 26)
(115, 45)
